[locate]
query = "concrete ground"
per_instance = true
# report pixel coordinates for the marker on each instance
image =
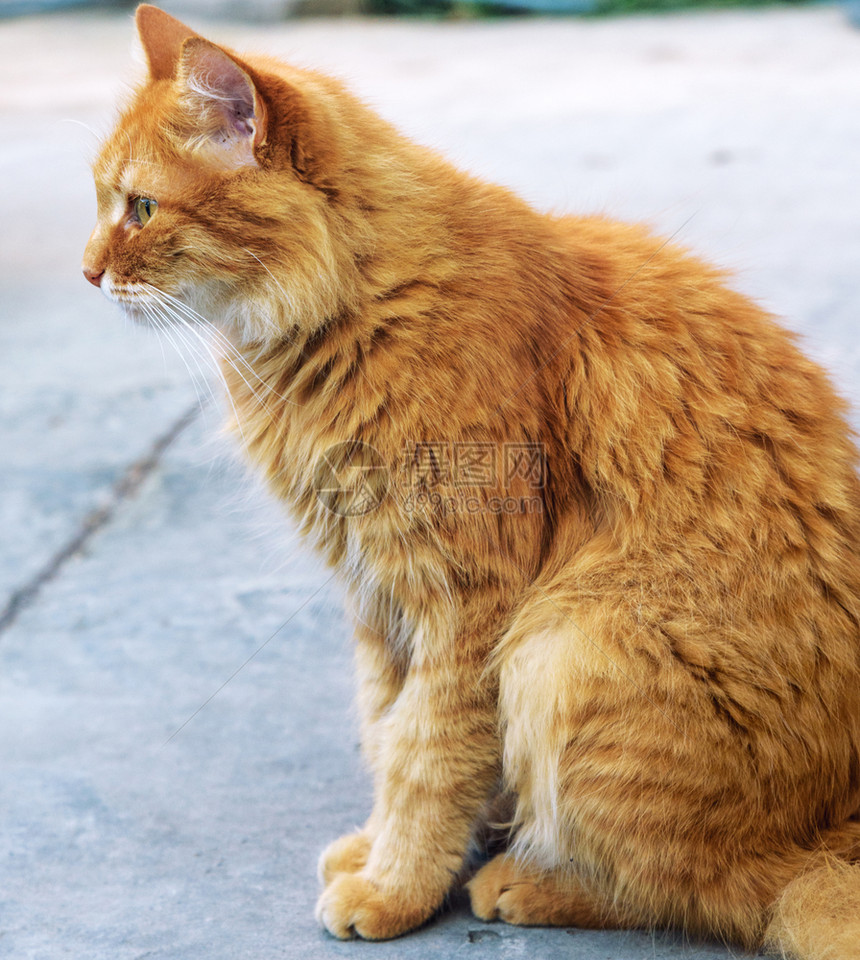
(176, 738)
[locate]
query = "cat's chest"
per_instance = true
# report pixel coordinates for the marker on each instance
(336, 439)
(342, 482)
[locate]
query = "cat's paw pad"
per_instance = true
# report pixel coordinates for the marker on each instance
(353, 906)
(347, 854)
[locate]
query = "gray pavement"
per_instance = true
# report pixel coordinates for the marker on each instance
(144, 575)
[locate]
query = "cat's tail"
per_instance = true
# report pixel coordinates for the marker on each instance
(817, 917)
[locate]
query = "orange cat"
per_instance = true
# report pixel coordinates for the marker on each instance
(606, 561)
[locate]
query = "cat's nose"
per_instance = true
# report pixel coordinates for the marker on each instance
(94, 275)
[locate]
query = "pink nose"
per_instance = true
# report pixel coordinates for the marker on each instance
(94, 276)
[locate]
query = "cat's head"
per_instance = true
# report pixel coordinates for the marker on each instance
(215, 191)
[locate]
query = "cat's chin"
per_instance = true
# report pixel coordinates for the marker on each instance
(136, 314)
(134, 309)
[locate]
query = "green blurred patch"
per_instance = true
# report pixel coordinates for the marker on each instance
(646, 6)
(466, 9)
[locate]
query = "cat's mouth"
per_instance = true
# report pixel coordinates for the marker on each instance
(153, 307)
(141, 302)
(125, 294)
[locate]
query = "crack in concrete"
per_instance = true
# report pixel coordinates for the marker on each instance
(124, 488)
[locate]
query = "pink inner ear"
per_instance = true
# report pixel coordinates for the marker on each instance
(214, 76)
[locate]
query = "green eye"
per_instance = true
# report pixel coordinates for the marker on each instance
(144, 208)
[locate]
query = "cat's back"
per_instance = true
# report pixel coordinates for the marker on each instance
(668, 330)
(696, 416)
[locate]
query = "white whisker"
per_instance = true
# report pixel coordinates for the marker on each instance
(182, 329)
(167, 331)
(229, 352)
(185, 325)
(81, 123)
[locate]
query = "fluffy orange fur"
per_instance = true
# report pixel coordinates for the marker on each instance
(646, 643)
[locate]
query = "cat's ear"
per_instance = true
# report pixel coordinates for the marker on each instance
(228, 113)
(162, 37)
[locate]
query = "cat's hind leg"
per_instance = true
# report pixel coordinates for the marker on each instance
(629, 775)
(506, 889)
(817, 916)
(536, 882)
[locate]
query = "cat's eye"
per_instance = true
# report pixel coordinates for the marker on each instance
(144, 208)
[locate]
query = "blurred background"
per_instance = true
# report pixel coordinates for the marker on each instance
(271, 10)
(175, 732)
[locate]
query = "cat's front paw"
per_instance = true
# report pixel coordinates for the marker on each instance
(352, 906)
(347, 854)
